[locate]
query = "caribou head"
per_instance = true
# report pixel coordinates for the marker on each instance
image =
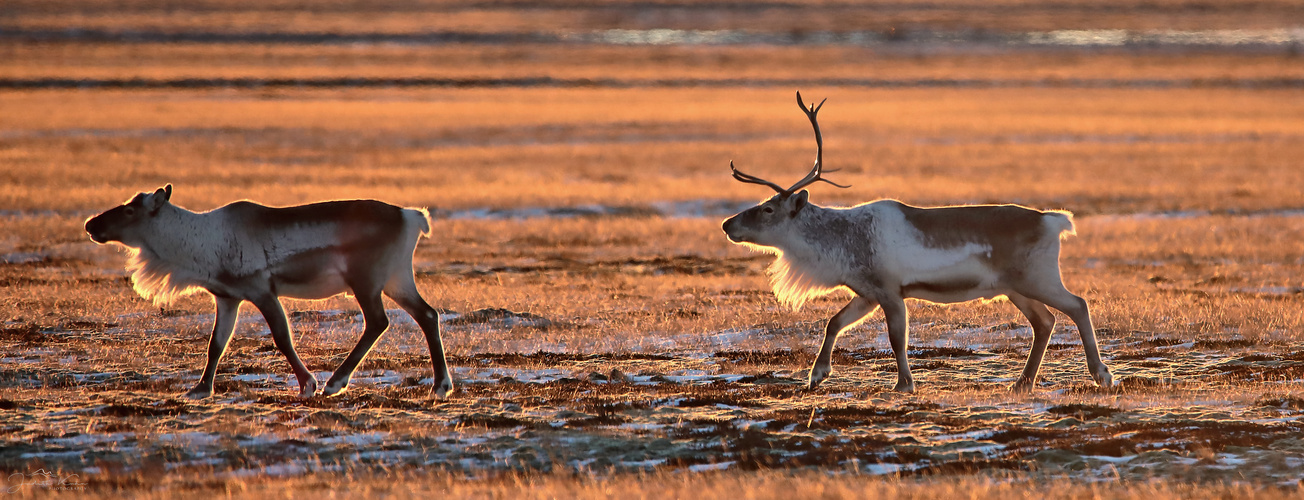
(754, 224)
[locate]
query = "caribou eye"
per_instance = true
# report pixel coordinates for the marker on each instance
(129, 212)
(767, 210)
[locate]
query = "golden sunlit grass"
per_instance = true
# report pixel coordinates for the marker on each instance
(1207, 277)
(1188, 251)
(1084, 150)
(401, 485)
(182, 60)
(1149, 276)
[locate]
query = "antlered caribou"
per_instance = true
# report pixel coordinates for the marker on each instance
(248, 252)
(886, 251)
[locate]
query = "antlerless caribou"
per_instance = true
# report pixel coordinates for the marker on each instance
(248, 252)
(886, 251)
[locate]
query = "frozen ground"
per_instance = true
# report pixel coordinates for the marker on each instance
(1198, 410)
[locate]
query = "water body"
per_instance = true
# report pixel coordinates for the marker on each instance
(1258, 40)
(925, 41)
(421, 82)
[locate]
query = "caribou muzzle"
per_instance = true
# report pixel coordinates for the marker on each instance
(95, 228)
(730, 229)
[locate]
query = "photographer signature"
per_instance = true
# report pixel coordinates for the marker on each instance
(42, 478)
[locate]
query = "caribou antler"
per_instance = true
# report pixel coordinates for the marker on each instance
(816, 170)
(814, 174)
(752, 179)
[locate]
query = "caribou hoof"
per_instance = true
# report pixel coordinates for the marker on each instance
(817, 375)
(905, 387)
(442, 389)
(1021, 387)
(1104, 379)
(335, 387)
(199, 392)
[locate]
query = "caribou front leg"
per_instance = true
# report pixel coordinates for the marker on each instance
(852, 313)
(223, 325)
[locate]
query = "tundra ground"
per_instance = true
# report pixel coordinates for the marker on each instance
(606, 339)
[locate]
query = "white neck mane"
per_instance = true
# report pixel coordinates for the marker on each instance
(156, 280)
(793, 286)
(802, 272)
(167, 266)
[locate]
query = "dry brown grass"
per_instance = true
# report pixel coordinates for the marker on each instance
(1085, 150)
(755, 486)
(1113, 151)
(1119, 157)
(189, 60)
(1202, 277)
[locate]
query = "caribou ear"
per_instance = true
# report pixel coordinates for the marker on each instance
(799, 201)
(156, 200)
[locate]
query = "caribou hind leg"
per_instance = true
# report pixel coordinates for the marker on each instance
(270, 307)
(1075, 307)
(1043, 324)
(373, 314)
(404, 292)
(898, 334)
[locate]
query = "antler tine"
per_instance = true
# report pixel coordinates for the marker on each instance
(815, 171)
(752, 179)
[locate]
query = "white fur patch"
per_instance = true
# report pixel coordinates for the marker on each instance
(903, 251)
(418, 218)
(1060, 222)
(794, 286)
(157, 282)
(800, 272)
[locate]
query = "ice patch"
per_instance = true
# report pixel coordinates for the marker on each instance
(357, 440)
(1064, 39)
(494, 375)
(1168, 38)
(376, 377)
(722, 340)
(711, 467)
(642, 427)
(644, 464)
(265, 378)
(189, 438)
(500, 318)
(23, 257)
(885, 469)
(92, 439)
(747, 424)
(1108, 459)
(967, 436)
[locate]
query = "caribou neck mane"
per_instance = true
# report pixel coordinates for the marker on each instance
(170, 262)
(808, 266)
